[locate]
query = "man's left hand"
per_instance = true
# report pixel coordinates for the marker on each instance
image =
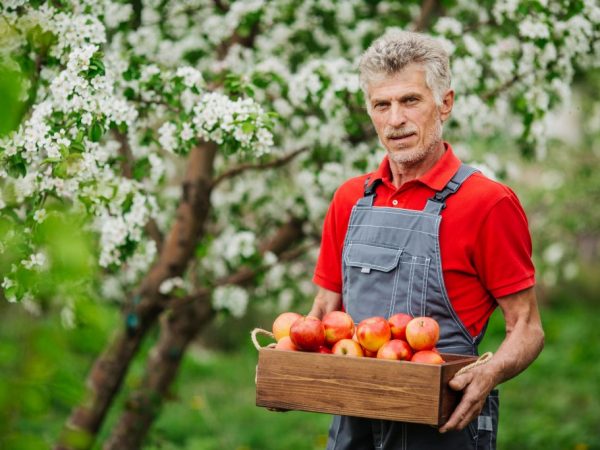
(476, 384)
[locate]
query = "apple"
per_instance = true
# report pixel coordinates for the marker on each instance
(308, 334)
(324, 349)
(282, 324)
(422, 333)
(427, 356)
(369, 353)
(338, 325)
(398, 324)
(396, 349)
(347, 347)
(373, 332)
(285, 343)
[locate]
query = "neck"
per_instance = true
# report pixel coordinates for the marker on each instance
(402, 172)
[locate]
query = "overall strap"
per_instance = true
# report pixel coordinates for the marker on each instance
(438, 202)
(369, 192)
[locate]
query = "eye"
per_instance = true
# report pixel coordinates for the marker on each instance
(379, 105)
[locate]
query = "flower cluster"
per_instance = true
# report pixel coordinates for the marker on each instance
(113, 111)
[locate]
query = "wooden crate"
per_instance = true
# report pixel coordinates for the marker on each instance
(361, 387)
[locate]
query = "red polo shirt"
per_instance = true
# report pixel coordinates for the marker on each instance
(484, 237)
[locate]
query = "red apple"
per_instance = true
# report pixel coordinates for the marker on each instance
(369, 353)
(281, 325)
(427, 356)
(285, 343)
(308, 334)
(398, 324)
(347, 347)
(338, 325)
(324, 349)
(395, 349)
(373, 332)
(422, 333)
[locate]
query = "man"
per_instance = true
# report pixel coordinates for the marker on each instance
(425, 234)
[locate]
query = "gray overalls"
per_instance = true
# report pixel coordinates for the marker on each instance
(391, 264)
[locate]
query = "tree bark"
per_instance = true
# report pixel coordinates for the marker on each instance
(179, 326)
(147, 303)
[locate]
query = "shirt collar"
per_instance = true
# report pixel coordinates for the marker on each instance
(436, 178)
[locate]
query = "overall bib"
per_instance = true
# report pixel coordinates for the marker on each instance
(392, 264)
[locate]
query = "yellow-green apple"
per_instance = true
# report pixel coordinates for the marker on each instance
(427, 356)
(422, 333)
(282, 324)
(398, 324)
(347, 347)
(396, 349)
(373, 332)
(285, 343)
(308, 334)
(338, 325)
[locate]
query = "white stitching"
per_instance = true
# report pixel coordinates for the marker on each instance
(411, 275)
(424, 287)
(393, 300)
(392, 228)
(390, 210)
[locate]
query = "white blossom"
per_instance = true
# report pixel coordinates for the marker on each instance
(167, 286)
(230, 298)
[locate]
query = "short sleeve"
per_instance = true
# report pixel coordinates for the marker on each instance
(328, 270)
(503, 249)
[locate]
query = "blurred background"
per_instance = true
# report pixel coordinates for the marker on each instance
(47, 349)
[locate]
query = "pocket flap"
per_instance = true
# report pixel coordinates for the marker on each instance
(369, 257)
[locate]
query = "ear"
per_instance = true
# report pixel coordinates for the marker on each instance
(447, 104)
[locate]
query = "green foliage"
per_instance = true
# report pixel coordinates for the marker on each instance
(212, 404)
(41, 368)
(11, 106)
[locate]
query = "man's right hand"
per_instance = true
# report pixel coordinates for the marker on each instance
(325, 301)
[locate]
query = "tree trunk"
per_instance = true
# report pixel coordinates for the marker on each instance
(178, 328)
(110, 368)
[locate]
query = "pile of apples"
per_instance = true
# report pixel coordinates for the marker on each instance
(401, 337)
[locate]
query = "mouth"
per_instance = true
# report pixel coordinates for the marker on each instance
(401, 137)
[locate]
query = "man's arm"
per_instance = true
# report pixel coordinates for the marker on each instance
(325, 301)
(523, 342)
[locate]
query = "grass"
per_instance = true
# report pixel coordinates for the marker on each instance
(551, 406)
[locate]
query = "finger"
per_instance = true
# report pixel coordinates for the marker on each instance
(462, 415)
(460, 382)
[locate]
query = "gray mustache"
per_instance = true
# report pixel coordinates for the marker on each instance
(401, 133)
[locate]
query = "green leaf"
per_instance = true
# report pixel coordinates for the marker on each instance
(96, 131)
(16, 166)
(248, 127)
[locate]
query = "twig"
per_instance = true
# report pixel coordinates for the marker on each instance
(268, 165)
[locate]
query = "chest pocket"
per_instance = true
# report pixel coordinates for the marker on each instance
(380, 281)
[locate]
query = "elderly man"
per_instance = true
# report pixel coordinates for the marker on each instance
(427, 235)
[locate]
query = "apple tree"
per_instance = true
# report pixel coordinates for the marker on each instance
(198, 143)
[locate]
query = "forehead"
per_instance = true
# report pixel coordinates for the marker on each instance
(411, 79)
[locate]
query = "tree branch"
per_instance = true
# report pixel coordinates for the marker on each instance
(237, 170)
(109, 368)
(428, 7)
(491, 94)
(179, 326)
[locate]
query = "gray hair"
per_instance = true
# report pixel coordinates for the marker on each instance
(393, 51)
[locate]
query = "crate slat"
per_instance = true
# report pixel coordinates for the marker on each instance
(360, 387)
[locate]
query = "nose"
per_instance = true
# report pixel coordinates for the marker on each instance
(397, 117)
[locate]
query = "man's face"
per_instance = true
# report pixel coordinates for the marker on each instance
(405, 115)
